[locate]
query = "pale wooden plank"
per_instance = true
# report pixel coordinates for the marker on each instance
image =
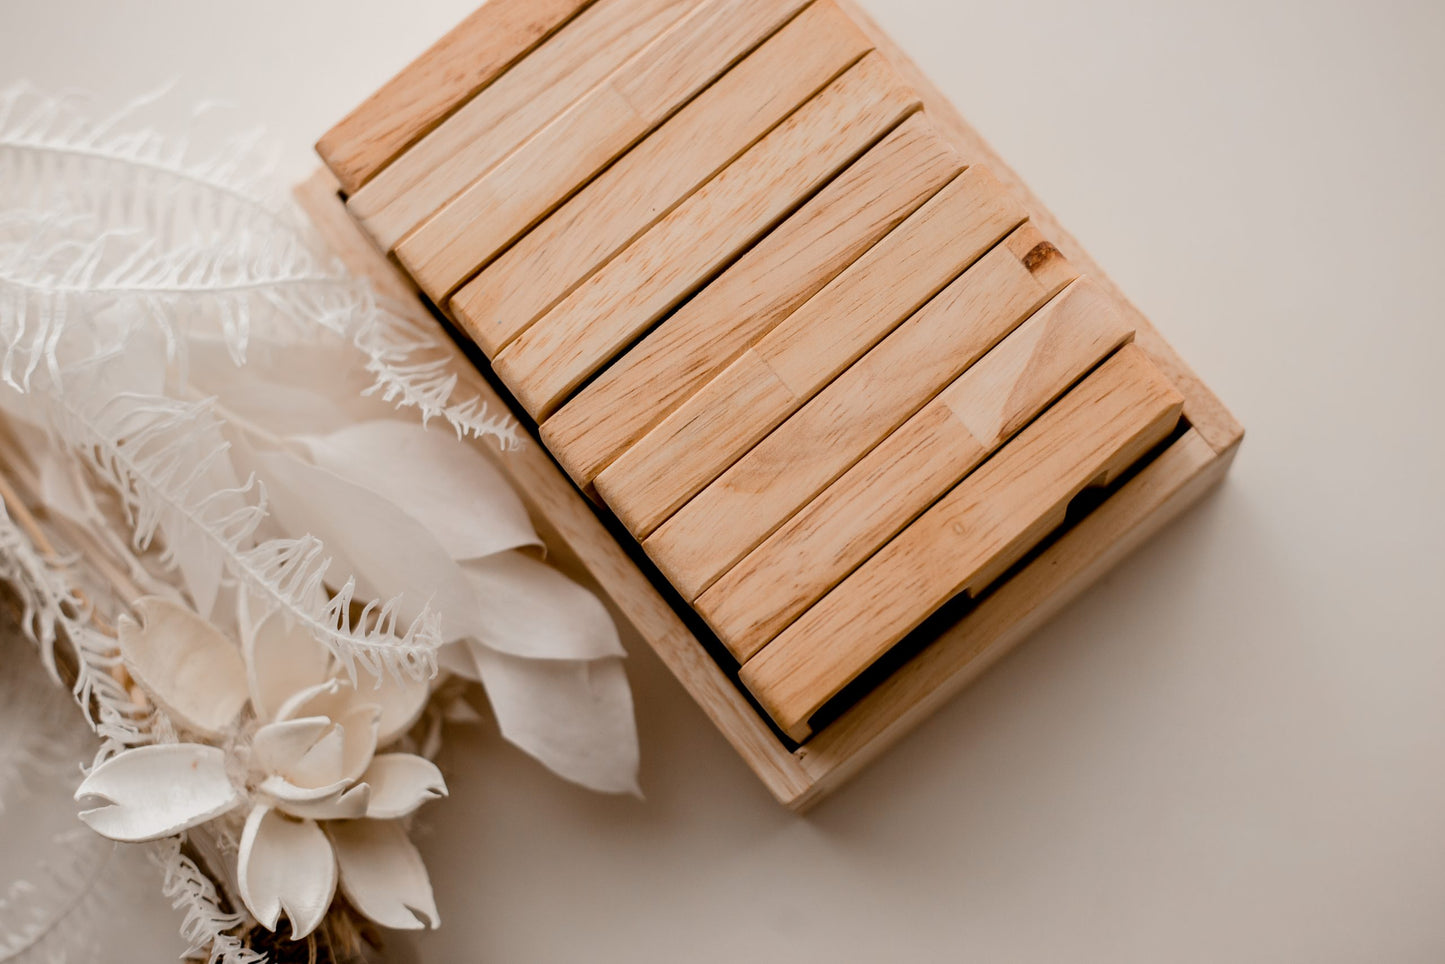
(766, 285)
(718, 425)
(969, 538)
(451, 72)
(480, 222)
(781, 474)
(713, 227)
(501, 118)
(648, 182)
(915, 465)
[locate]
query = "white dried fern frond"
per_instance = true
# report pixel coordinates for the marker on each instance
(60, 153)
(47, 601)
(422, 369)
(204, 925)
(55, 614)
(218, 254)
(129, 218)
(287, 572)
(157, 453)
(234, 287)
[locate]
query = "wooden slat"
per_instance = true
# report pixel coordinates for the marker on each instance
(900, 478)
(478, 224)
(649, 181)
(888, 385)
(501, 118)
(738, 408)
(446, 76)
(687, 248)
(766, 285)
(969, 538)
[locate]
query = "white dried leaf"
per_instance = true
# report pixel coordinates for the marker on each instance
(382, 874)
(576, 718)
(156, 791)
(400, 783)
(282, 659)
(531, 610)
(356, 720)
(387, 549)
(285, 866)
(185, 665)
(447, 485)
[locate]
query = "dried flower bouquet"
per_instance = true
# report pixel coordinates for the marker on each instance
(253, 522)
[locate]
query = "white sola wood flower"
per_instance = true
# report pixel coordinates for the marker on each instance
(324, 806)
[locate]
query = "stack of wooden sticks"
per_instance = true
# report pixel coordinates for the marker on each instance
(828, 372)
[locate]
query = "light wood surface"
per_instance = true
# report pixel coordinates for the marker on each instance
(780, 475)
(502, 117)
(968, 539)
(712, 228)
(922, 460)
(802, 777)
(766, 285)
(795, 360)
(480, 222)
(451, 72)
(649, 181)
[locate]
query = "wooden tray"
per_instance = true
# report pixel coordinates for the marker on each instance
(873, 467)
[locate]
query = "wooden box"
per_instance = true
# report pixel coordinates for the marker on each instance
(829, 404)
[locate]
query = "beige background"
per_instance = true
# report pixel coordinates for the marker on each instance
(1231, 750)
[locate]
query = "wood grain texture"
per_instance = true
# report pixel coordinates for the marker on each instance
(648, 182)
(565, 520)
(766, 285)
(480, 222)
(1170, 483)
(684, 250)
(718, 425)
(911, 468)
(783, 472)
(502, 117)
(451, 72)
(970, 538)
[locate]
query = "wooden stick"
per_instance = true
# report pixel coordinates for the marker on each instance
(768, 284)
(451, 72)
(501, 118)
(26, 520)
(912, 468)
(857, 411)
(684, 250)
(476, 226)
(719, 424)
(648, 182)
(968, 539)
